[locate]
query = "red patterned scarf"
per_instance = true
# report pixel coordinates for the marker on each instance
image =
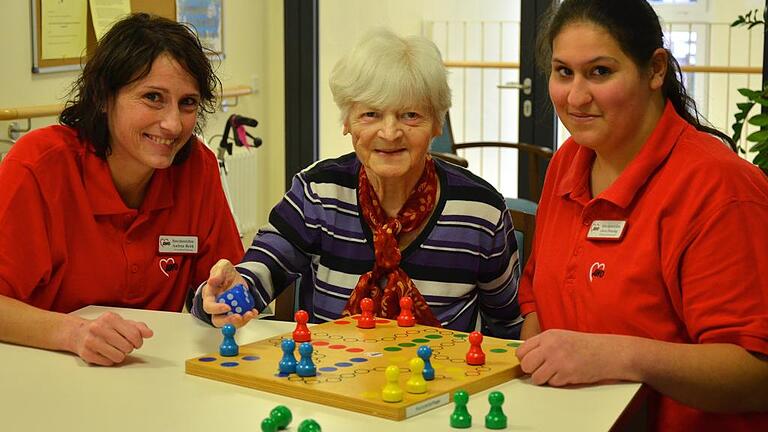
(386, 231)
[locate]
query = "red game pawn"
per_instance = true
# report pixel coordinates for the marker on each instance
(301, 334)
(475, 355)
(406, 318)
(366, 319)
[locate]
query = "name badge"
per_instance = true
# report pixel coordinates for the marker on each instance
(177, 244)
(606, 230)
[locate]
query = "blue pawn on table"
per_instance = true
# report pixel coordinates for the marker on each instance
(425, 352)
(305, 367)
(288, 362)
(228, 347)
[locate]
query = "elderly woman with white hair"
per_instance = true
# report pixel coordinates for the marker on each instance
(386, 221)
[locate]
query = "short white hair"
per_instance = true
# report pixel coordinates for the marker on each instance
(385, 70)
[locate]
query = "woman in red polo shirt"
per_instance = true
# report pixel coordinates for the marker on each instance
(650, 248)
(121, 205)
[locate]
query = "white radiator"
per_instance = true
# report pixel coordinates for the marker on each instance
(239, 177)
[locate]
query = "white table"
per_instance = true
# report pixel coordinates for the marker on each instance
(52, 391)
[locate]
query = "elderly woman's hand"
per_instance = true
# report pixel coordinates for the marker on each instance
(223, 276)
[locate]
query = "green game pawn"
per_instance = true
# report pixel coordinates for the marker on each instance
(268, 425)
(282, 416)
(309, 425)
(461, 419)
(496, 418)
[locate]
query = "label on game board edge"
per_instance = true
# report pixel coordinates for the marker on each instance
(426, 405)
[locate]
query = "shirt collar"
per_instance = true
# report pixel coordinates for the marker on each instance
(652, 155)
(103, 195)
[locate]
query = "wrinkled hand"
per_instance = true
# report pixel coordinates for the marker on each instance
(223, 277)
(109, 339)
(563, 357)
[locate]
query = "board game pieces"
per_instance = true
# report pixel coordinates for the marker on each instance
(268, 425)
(305, 367)
(461, 418)
(406, 318)
(475, 355)
(282, 416)
(238, 298)
(301, 333)
(309, 425)
(288, 362)
(366, 320)
(228, 347)
(416, 383)
(425, 352)
(351, 365)
(392, 391)
(495, 419)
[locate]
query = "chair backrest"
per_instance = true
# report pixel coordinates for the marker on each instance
(523, 213)
(537, 156)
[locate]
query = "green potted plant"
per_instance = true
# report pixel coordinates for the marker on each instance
(754, 97)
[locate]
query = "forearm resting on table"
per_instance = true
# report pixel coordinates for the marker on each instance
(530, 326)
(23, 324)
(711, 377)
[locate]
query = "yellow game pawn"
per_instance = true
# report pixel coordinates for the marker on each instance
(392, 391)
(416, 383)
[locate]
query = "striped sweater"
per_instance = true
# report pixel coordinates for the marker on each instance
(464, 261)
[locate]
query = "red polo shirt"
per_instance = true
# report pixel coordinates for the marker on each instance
(690, 267)
(67, 240)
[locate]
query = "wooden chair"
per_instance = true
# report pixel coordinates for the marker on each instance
(445, 147)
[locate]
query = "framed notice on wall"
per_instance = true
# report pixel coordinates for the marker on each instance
(204, 16)
(63, 32)
(59, 34)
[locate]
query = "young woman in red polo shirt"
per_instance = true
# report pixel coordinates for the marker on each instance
(121, 205)
(650, 235)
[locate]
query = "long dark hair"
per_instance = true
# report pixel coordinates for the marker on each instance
(125, 54)
(636, 28)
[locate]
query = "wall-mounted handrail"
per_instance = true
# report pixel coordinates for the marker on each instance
(685, 68)
(55, 109)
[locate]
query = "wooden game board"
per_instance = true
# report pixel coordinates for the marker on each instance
(351, 361)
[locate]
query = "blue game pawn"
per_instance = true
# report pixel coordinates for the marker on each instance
(425, 352)
(228, 347)
(288, 362)
(305, 367)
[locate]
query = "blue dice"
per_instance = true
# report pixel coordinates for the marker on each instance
(238, 298)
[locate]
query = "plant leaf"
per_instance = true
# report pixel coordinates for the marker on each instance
(758, 136)
(759, 120)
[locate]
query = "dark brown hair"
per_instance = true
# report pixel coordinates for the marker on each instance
(125, 54)
(636, 28)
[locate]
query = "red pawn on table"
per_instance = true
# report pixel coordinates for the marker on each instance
(406, 318)
(301, 334)
(366, 320)
(475, 355)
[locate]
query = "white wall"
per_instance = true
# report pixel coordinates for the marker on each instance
(253, 44)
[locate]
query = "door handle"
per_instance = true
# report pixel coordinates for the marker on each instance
(525, 86)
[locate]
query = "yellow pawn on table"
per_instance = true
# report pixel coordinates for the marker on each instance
(392, 391)
(416, 383)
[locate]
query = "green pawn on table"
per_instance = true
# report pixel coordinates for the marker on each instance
(282, 416)
(268, 425)
(496, 418)
(461, 419)
(309, 425)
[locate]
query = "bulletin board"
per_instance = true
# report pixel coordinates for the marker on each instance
(164, 8)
